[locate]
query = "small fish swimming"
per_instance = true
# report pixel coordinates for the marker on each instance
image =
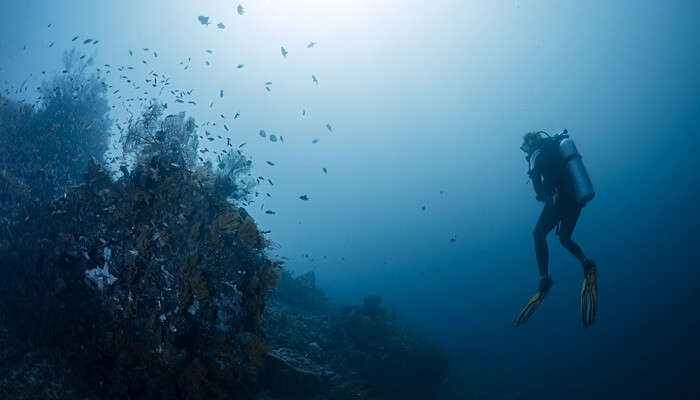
(314, 80)
(270, 163)
(328, 126)
(283, 51)
(240, 10)
(203, 20)
(310, 45)
(239, 66)
(262, 133)
(220, 25)
(304, 197)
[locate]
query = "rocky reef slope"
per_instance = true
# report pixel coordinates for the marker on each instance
(355, 352)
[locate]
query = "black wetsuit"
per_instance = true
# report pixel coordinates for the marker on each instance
(554, 187)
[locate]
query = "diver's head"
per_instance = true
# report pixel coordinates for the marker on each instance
(530, 142)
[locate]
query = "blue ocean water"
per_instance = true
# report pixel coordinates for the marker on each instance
(416, 111)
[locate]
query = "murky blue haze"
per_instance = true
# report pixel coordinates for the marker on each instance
(428, 102)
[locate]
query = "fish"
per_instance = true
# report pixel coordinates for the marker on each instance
(86, 41)
(303, 113)
(239, 66)
(51, 44)
(221, 93)
(304, 197)
(325, 171)
(270, 163)
(314, 141)
(203, 20)
(236, 116)
(74, 38)
(310, 45)
(422, 208)
(241, 145)
(209, 51)
(268, 83)
(267, 88)
(220, 25)
(283, 51)
(270, 182)
(226, 127)
(270, 212)
(328, 126)
(273, 138)
(262, 133)
(240, 10)
(314, 79)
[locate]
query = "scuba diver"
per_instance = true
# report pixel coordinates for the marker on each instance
(562, 184)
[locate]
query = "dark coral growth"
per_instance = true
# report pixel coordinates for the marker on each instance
(355, 353)
(300, 291)
(148, 286)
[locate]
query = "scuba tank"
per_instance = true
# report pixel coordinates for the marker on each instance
(574, 166)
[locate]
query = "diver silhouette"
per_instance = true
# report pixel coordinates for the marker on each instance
(562, 184)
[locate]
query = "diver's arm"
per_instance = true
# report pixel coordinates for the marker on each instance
(536, 177)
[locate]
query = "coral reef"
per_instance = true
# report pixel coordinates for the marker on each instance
(153, 282)
(358, 352)
(147, 286)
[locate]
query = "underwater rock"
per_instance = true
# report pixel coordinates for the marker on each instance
(367, 353)
(300, 291)
(288, 373)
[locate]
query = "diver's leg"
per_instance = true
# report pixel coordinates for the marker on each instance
(589, 288)
(569, 217)
(545, 223)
